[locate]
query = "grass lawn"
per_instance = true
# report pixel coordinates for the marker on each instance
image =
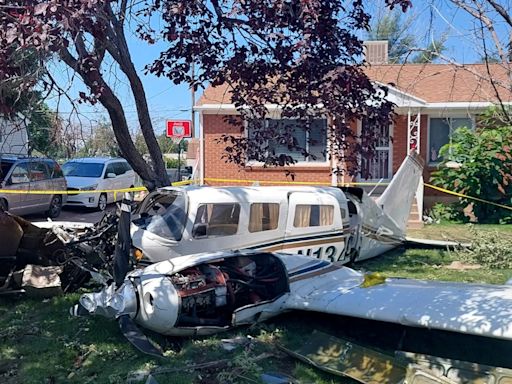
(41, 343)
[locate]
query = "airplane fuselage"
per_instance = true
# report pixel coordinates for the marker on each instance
(325, 223)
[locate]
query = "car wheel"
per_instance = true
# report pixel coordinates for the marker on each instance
(55, 207)
(102, 202)
(3, 205)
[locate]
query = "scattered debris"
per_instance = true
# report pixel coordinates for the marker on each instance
(54, 257)
(276, 378)
(231, 344)
(347, 359)
(343, 358)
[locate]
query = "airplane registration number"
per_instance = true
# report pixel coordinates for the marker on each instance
(331, 253)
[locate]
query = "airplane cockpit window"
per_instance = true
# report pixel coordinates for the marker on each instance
(352, 208)
(165, 216)
(263, 217)
(313, 215)
(213, 220)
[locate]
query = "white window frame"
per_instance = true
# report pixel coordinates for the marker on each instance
(453, 115)
(301, 163)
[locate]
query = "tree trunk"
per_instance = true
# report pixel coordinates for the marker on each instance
(123, 57)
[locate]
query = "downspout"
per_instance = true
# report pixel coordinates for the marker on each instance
(201, 149)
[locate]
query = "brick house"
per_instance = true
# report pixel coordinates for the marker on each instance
(432, 100)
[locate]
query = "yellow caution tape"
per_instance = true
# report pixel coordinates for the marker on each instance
(75, 192)
(467, 197)
(238, 181)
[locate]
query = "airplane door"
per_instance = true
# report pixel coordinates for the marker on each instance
(314, 226)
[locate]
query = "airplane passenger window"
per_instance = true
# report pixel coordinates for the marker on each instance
(213, 220)
(313, 215)
(263, 217)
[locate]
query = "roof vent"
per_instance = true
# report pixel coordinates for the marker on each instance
(376, 51)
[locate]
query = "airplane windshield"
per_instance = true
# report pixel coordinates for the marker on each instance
(165, 216)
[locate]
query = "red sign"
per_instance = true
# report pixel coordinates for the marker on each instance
(179, 128)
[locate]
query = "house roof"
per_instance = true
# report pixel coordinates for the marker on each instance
(431, 83)
(438, 83)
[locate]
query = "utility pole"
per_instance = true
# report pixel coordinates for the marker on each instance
(193, 97)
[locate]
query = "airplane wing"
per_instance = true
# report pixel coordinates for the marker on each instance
(477, 309)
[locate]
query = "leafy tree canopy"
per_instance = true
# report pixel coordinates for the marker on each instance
(302, 55)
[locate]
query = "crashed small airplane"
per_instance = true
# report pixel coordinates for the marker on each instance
(207, 293)
(330, 223)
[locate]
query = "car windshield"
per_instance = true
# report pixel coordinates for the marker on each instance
(165, 215)
(79, 169)
(4, 169)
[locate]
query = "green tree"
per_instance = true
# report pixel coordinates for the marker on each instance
(393, 28)
(402, 43)
(478, 163)
(431, 53)
(102, 142)
(167, 145)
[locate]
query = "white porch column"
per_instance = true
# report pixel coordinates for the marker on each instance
(413, 144)
(413, 131)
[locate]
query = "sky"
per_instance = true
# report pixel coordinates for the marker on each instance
(428, 19)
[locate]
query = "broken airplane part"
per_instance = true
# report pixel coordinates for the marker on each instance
(329, 223)
(53, 257)
(208, 293)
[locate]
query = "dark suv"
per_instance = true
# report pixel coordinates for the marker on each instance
(31, 174)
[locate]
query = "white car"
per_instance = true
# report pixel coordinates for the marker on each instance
(97, 174)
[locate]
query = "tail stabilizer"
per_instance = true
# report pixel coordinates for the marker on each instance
(397, 199)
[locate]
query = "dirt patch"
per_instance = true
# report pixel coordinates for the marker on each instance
(460, 266)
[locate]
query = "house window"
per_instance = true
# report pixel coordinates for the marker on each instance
(313, 140)
(213, 220)
(376, 163)
(313, 215)
(263, 217)
(441, 131)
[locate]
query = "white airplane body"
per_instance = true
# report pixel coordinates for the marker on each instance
(329, 223)
(208, 293)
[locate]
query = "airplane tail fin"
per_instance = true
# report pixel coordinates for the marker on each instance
(398, 197)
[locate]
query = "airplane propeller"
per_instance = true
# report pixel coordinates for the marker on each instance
(123, 244)
(121, 268)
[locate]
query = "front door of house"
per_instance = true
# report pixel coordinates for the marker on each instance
(378, 164)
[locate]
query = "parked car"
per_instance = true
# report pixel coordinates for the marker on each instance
(36, 174)
(185, 174)
(97, 174)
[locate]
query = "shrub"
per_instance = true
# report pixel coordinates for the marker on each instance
(489, 248)
(483, 165)
(173, 163)
(453, 212)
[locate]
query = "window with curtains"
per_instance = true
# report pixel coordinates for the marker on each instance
(314, 139)
(213, 220)
(263, 217)
(313, 215)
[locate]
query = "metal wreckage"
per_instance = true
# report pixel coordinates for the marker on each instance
(54, 257)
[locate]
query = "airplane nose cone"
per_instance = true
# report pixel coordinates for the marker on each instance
(159, 304)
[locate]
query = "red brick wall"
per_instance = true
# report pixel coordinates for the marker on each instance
(215, 167)
(214, 127)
